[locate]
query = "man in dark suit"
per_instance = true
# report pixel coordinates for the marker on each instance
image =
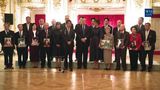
(46, 43)
(68, 37)
(115, 30)
(91, 28)
(92, 23)
(40, 27)
(28, 25)
(149, 40)
(7, 41)
(22, 42)
(121, 42)
(82, 43)
(140, 28)
(76, 28)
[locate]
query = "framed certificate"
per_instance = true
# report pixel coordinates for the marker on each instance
(8, 42)
(133, 45)
(106, 44)
(147, 46)
(21, 42)
(46, 42)
(35, 42)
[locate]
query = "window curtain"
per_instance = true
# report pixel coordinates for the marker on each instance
(39, 16)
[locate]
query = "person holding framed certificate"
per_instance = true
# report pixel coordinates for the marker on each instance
(34, 41)
(7, 41)
(46, 43)
(148, 43)
(107, 44)
(22, 41)
(121, 41)
(134, 48)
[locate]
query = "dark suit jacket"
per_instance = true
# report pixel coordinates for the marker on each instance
(63, 26)
(39, 28)
(3, 35)
(51, 28)
(80, 35)
(25, 27)
(43, 35)
(139, 30)
(115, 30)
(126, 38)
(151, 38)
(25, 35)
(68, 37)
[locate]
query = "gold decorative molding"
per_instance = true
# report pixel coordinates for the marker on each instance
(96, 9)
(139, 3)
(108, 1)
(32, 3)
(3, 4)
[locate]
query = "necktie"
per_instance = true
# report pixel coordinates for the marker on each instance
(83, 29)
(46, 33)
(20, 33)
(147, 32)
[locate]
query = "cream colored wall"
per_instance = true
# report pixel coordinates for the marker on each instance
(156, 26)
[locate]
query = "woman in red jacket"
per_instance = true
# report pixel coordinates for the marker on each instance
(134, 47)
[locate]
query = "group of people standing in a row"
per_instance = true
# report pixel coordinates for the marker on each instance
(58, 41)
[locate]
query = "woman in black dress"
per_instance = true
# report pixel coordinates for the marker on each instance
(68, 37)
(34, 40)
(94, 43)
(58, 45)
